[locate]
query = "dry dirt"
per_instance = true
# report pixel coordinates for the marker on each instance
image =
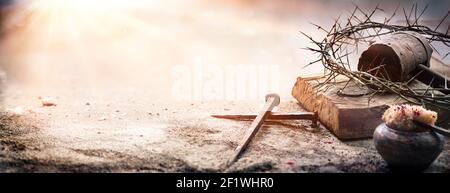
(134, 134)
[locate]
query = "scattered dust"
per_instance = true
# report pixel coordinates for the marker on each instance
(192, 142)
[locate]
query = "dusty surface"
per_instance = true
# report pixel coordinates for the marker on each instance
(134, 134)
(110, 74)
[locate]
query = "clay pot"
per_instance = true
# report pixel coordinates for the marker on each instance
(407, 150)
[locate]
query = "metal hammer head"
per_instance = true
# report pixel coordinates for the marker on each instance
(396, 56)
(275, 96)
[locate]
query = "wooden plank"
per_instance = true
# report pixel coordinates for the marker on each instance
(347, 117)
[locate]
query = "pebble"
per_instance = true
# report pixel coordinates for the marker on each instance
(290, 162)
(47, 101)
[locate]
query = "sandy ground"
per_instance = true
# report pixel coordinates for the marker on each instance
(127, 133)
(112, 76)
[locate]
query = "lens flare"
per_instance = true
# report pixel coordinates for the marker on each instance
(87, 36)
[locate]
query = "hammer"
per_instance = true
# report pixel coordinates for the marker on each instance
(402, 56)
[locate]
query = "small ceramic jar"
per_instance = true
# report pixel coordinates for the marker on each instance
(407, 150)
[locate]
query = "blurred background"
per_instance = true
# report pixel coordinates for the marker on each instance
(172, 49)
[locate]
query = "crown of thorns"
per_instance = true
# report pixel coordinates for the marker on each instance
(360, 28)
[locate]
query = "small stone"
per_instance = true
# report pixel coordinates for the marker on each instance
(103, 118)
(47, 101)
(328, 142)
